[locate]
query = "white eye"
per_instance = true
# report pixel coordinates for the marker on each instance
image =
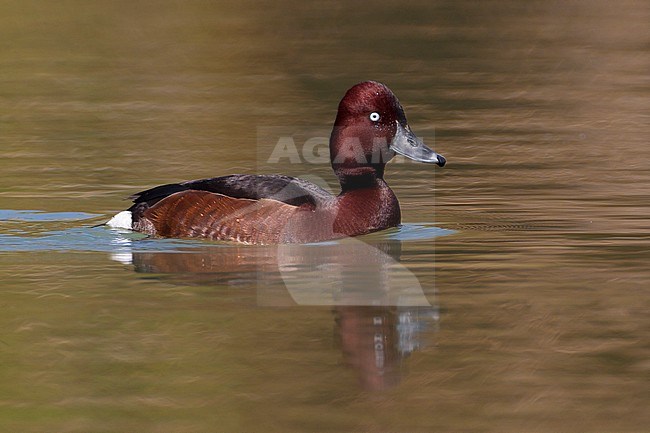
(374, 116)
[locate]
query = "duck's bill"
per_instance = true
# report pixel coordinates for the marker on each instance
(408, 144)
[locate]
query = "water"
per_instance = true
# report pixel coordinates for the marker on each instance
(514, 297)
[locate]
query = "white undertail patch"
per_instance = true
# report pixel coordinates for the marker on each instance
(122, 220)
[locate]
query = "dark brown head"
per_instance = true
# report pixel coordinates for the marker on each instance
(370, 128)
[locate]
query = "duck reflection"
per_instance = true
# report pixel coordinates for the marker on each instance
(376, 340)
(381, 312)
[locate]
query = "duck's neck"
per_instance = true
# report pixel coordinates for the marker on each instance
(366, 204)
(360, 181)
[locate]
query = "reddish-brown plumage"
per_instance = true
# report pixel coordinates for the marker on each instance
(370, 128)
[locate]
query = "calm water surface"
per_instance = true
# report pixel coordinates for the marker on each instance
(513, 299)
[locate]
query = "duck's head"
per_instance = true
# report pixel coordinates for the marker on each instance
(370, 128)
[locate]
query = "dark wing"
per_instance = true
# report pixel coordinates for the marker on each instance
(285, 189)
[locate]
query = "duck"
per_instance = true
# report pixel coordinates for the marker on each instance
(369, 130)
